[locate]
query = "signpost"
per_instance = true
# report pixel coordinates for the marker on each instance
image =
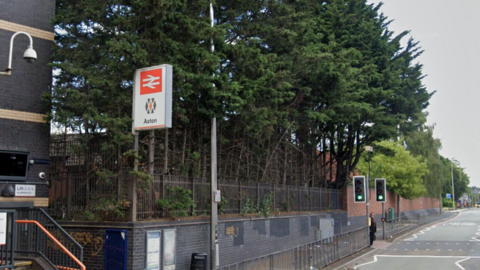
(152, 98)
(152, 109)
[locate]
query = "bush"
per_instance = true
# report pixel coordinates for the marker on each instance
(178, 202)
(446, 202)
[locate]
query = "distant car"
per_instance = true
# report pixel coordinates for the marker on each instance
(477, 204)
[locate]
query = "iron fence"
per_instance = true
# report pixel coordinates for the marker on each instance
(8, 245)
(399, 225)
(82, 195)
(237, 197)
(311, 256)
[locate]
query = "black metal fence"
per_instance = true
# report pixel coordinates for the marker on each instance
(315, 255)
(90, 183)
(237, 197)
(7, 243)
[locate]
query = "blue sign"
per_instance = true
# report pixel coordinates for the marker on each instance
(449, 196)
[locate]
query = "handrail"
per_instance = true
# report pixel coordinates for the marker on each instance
(77, 261)
(58, 227)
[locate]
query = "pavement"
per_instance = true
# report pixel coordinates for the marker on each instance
(380, 245)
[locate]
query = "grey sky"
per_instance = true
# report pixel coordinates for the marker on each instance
(449, 34)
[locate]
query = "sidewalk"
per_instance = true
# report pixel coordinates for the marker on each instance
(379, 245)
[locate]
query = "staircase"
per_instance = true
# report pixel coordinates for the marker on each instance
(35, 241)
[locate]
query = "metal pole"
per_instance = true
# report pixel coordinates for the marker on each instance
(133, 187)
(367, 193)
(453, 189)
(383, 219)
(214, 255)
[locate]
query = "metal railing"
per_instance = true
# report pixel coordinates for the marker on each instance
(63, 263)
(33, 241)
(398, 225)
(7, 247)
(310, 256)
(236, 195)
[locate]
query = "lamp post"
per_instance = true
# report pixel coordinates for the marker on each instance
(453, 189)
(29, 55)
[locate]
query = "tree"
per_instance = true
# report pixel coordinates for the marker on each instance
(298, 87)
(402, 171)
(421, 143)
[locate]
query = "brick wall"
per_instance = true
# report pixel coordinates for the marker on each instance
(358, 209)
(22, 127)
(239, 239)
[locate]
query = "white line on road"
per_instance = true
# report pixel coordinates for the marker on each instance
(457, 263)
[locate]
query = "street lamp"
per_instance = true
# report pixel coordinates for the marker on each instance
(30, 55)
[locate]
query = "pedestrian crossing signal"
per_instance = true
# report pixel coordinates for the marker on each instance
(381, 189)
(359, 189)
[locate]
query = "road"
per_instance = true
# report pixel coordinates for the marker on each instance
(452, 244)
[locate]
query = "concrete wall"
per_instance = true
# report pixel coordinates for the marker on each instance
(22, 127)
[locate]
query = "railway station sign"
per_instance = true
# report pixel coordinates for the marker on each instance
(152, 98)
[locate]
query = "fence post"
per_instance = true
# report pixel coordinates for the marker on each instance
(192, 208)
(273, 191)
(310, 198)
(240, 201)
(69, 196)
(299, 202)
(289, 207)
(258, 194)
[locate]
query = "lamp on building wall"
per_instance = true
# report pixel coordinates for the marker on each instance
(29, 55)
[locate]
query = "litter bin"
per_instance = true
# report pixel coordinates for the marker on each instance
(391, 214)
(199, 261)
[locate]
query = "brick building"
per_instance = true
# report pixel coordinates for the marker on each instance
(24, 133)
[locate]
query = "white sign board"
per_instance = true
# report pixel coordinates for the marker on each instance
(3, 228)
(153, 250)
(169, 249)
(24, 190)
(152, 98)
(218, 196)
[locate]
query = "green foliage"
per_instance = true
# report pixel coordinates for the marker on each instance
(447, 202)
(105, 208)
(421, 143)
(460, 180)
(144, 180)
(249, 207)
(289, 78)
(403, 171)
(222, 205)
(267, 205)
(178, 202)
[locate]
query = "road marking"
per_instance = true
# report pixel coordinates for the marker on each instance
(457, 263)
(414, 236)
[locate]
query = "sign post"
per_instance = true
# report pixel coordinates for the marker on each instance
(152, 109)
(152, 98)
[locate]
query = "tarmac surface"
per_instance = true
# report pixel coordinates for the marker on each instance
(379, 245)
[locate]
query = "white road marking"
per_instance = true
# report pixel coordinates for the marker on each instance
(457, 263)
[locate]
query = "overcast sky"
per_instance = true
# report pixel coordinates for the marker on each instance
(449, 34)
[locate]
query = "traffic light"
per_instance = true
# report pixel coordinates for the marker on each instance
(381, 189)
(359, 189)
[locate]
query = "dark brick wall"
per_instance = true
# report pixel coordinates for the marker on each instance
(239, 239)
(22, 91)
(30, 13)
